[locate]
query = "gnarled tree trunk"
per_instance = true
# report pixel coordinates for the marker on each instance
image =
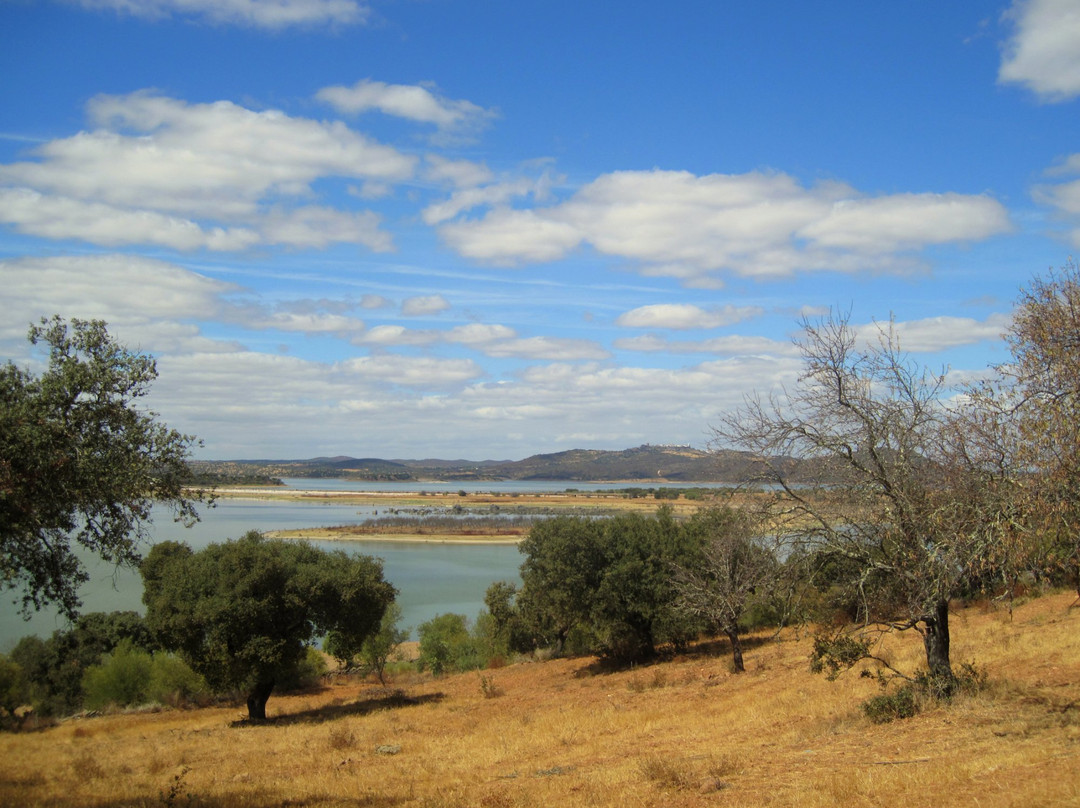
(936, 642)
(257, 698)
(736, 650)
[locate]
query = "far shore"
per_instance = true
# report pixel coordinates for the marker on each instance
(343, 534)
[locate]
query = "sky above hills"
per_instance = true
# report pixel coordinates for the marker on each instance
(485, 229)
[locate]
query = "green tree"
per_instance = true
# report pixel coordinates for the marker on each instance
(242, 613)
(375, 650)
(446, 644)
(54, 667)
(81, 463)
(610, 579)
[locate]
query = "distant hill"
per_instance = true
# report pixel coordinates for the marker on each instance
(641, 464)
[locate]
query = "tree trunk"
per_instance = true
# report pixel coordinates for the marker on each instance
(257, 698)
(736, 650)
(936, 641)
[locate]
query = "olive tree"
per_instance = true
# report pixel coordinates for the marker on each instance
(736, 567)
(81, 463)
(1041, 389)
(242, 613)
(885, 491)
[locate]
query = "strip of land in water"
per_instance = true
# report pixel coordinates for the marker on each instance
(480, 517)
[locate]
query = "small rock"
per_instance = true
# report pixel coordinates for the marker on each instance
(387, 749)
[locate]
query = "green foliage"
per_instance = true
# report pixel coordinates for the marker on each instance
(838, 652)
(131, 676)
(12, 687)
(123, 678)
(376, 650)
(446, 645)
(886, 707)
(908, 700)
(242, 613)
(607, 580)
(54, 667)
(81, 463)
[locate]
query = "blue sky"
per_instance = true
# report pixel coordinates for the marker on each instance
(433, 228)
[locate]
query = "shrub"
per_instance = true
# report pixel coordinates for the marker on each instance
(173, 683)
(446, 644)
(130, 676)
(122, 678)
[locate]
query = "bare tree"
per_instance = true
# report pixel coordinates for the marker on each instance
(879, 483)
(736, 567)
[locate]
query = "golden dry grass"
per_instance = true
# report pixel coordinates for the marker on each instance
(682, 732)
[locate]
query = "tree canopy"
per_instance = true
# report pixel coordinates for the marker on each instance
(81, 462)
(242, 612)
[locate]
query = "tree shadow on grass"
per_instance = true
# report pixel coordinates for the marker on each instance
(714, 648)
(331, 712)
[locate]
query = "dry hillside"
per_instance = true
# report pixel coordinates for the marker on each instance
(680, 732)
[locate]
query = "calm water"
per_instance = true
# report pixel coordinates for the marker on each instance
(431, 578)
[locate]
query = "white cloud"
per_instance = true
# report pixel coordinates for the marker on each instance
(510, 237)
(756, 224)
(934, 334)
(385, 335)
(318, 227)
(906, 221)
(459, 173)
(270, 14)
(60, 217)
(414, 371)
(469, 198)
(373, 302)
(161, 171)
(733, 345)
(424, 305)
(685, 316)
(479, 334)
(1063, 197)
(110, 287)
(308, 323)
(420, 103)
(552, 348)
(1043, 54)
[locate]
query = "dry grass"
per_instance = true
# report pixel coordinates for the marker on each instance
(565, 732)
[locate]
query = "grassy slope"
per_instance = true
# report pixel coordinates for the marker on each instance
(682, 732)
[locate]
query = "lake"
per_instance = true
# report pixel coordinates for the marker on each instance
(431, 578)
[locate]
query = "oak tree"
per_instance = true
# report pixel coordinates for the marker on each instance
(81, 463)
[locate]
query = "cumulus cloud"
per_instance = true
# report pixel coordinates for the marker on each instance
(414, 371)
(162, 169)
(552, 348)
(734, 345)
(756, 224)
(61, 217)
(1042, 52)
(424, 305)
(416, 102)
(386, 335)
(934, 334)
(270, 14)
(1063, 197)
(314, 226)
(109, 287)
(459, 173)
(685, 316)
